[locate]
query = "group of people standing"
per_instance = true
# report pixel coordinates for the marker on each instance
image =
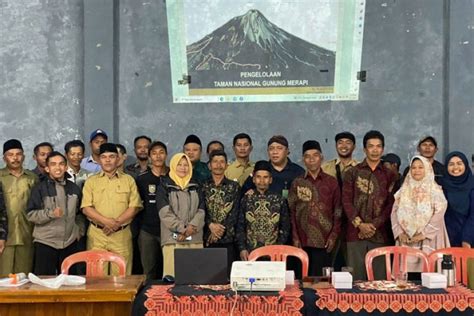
(336, 210)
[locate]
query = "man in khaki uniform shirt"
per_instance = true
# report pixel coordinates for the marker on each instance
(242, 167)
(16, 184)
(110, 201)
(345, 145)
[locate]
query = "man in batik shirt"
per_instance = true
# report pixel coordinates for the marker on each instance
(263, 218)
(315, 208)
(221, 196)
(367, 200)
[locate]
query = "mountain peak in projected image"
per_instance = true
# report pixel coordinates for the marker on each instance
(251, 42)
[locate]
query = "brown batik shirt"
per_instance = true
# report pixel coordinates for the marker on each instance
(368, 195)
(315, 209)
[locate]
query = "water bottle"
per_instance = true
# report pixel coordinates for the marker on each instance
(16, 278)
(447, 269)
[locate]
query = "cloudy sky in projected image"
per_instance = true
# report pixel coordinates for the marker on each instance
(290, 15)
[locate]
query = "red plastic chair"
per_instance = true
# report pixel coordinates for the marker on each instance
(460, 256)
(94, 260)
(400, 254)
(280, 253)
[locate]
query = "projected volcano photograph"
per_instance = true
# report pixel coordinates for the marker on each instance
(251, 53)
(265, 50)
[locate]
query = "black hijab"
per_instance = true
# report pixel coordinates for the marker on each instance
(457, 189)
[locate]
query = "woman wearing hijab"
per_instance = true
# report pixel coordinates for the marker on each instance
(418, 212)
(458, 185)
(181, 211)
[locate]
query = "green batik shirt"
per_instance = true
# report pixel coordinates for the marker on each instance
(263, 220)
(201, 172)
(222, 207)
(16, 191)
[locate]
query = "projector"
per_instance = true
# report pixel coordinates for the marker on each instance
(258, 275)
